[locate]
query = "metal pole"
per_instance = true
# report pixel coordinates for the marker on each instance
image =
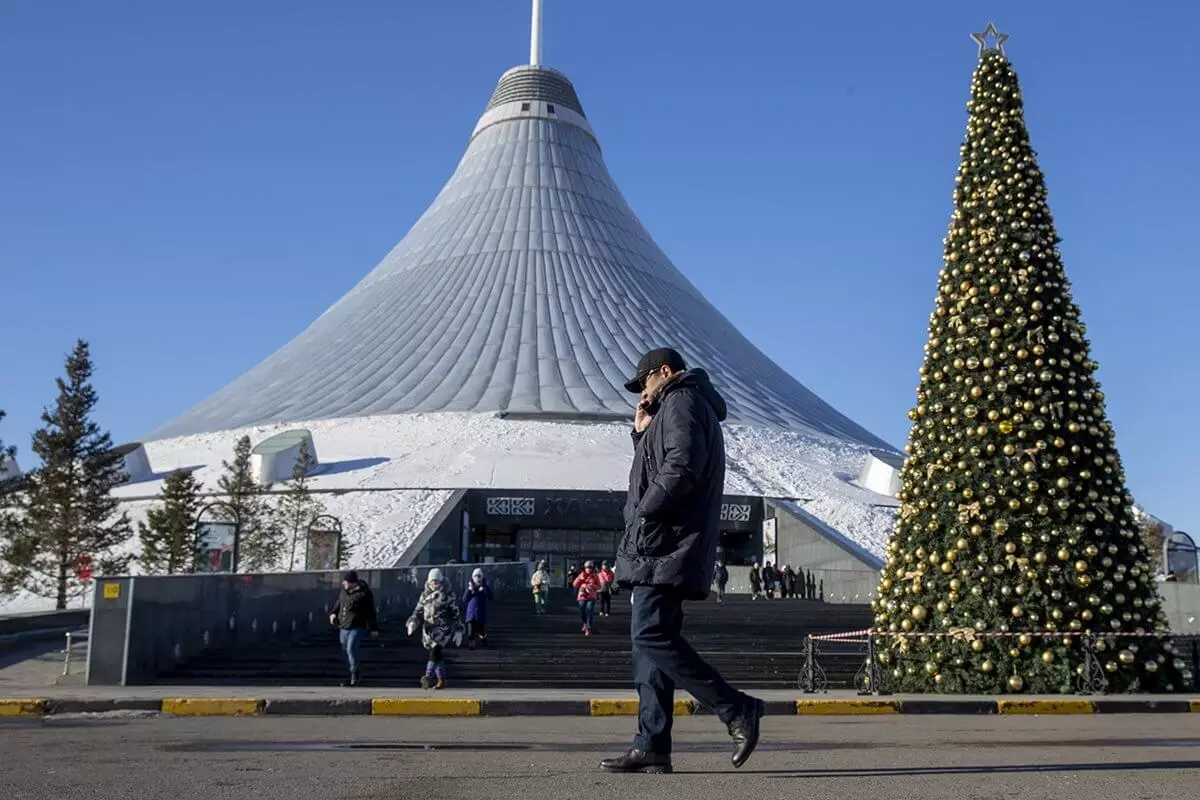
(67, 656)
(535, 36)
(807, 678)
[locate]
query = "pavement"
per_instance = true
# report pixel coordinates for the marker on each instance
(128, 754)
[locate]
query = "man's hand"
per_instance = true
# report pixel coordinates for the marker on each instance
(333, 619)
(642, 418)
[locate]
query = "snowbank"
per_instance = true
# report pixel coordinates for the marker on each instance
(411, 463)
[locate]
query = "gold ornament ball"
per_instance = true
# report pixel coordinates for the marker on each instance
(1000, 526)
(1016, 683)
(1017, 611)
(987, 666)
(977, 645)
(919, 613)
(1081, 566)
(1025, 639)
(1150, 666)
(1006, 427)
(1048, 657)
(1125, 657)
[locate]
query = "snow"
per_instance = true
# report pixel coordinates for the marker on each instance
(419, 459)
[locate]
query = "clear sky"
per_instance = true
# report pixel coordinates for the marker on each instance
(188, 184)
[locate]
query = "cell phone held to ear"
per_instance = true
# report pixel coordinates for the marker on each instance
(650, 405)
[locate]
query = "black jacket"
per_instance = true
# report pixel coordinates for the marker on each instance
(356, 608)
(722, 577)
(673, 508)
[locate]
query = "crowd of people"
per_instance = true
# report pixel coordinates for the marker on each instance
(782, 583)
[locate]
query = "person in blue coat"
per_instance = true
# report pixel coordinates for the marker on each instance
(475, 598)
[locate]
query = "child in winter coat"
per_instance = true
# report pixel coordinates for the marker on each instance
(438, 617)
(541, 585)
(587, 586)
(476, 598)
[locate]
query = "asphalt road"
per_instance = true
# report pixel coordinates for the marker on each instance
(925, 758)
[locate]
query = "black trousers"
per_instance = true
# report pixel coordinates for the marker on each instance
(662, 661)
(476, 630)
(606, 602)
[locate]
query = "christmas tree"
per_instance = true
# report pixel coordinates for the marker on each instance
(261, 542)
(65, 506)
(168, 535)
(297, 506)
(1015, 519)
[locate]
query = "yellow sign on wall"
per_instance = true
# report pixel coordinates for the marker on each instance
(112, 591)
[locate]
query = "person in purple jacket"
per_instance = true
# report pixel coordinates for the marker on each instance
(476, 598)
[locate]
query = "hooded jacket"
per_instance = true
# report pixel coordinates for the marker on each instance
(437, 615)
(355, 608)
(673, 508)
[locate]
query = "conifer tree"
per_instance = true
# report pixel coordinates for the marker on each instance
(261, 544)
(1015, 518)
(6, 452)
(168, 535)
(297, 506)
(8, 521)
(65, 506)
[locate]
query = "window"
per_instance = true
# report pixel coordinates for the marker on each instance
(550, 108)
(524, 106)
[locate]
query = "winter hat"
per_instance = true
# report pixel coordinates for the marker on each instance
(350, 577)
(435, 576)
(477, 574)
(589, 565)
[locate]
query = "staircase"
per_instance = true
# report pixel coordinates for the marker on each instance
(756, 644)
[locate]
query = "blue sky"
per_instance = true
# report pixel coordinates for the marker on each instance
(188, 184)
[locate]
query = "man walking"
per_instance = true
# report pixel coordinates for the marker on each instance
(354, 615)
(668, 556)
(722, 579)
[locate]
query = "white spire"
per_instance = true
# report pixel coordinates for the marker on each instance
(535, 36)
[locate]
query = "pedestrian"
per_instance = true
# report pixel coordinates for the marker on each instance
(587, 586)
(668, 556)
(572, 573)
(607, 578)
(787, 582)
(541, 587)
(722, 579)
(475, 599)
(770, 579)
(354, 614)
(755, 582)
(440, 621)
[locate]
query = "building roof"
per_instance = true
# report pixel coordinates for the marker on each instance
(529, 286)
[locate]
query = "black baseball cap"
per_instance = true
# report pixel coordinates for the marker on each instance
(655, 359)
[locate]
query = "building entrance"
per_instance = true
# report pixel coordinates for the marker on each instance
(563, 548)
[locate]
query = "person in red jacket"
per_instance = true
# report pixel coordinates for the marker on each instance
(607, 579)
(587, 586)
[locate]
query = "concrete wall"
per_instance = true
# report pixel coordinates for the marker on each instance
(851, 573)
(142, 626)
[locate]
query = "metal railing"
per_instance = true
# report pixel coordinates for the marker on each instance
(872, 679)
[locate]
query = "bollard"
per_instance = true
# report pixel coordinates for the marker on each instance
(67, 656)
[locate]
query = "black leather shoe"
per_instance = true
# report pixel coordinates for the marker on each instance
(744, 731)
(638, 761)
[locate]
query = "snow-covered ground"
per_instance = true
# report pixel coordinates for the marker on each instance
(420, 458)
